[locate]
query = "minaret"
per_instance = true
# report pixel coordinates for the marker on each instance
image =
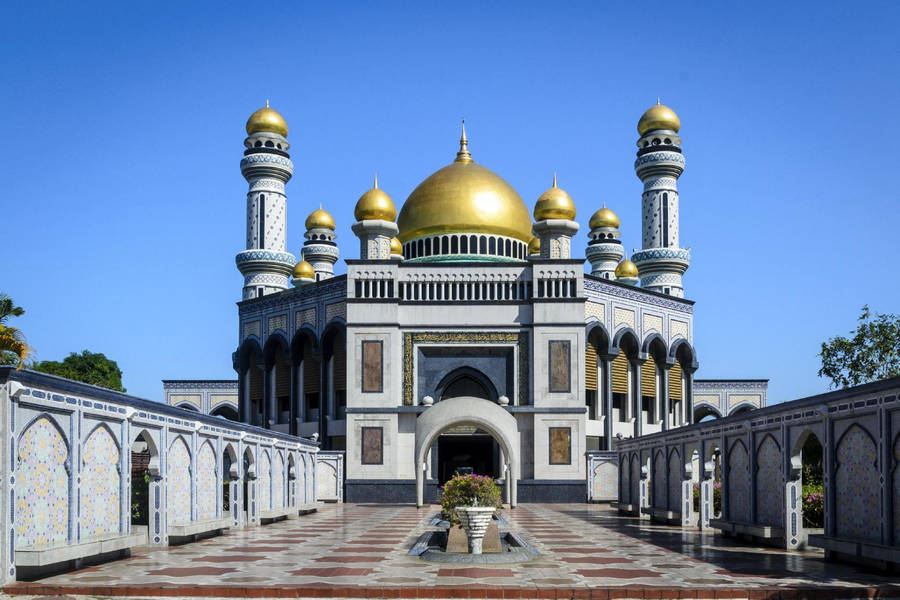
(659, 163)
(319, 249)
(605, 250)
(375, 214)
(554, 215)
(265, 264)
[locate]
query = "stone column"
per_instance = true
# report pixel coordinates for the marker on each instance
(637, 401)
(606, 399)
(664, 390)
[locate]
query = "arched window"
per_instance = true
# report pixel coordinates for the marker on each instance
(445, 245)
(492, 246)
(473, 244)
(464, 243)
(482, 245)
(454, 245)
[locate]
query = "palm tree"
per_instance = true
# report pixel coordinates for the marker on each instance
(11, 339)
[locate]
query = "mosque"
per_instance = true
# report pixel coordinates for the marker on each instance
(466, 335)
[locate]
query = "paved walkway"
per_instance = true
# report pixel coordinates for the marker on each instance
(359, 550)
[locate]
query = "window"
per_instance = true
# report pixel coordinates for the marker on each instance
(560, 445)
(372, 366)
(372, 446)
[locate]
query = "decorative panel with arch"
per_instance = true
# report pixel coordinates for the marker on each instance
(42, 485)
(278, 480)
(207, 482)
(659, 480)
(265, 481)
(675, 480)
(178, 484)
(769, 483)
(100, 481)
(857, 494)
(738, 483)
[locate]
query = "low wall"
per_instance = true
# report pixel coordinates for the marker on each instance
(66, 470)
(761, 467)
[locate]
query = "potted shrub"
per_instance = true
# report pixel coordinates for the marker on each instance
(471, 500)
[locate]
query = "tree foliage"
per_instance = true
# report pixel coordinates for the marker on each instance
(89, 367)
(871, 353)
(13, 348)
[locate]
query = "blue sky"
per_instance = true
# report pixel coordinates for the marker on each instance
(123, 205)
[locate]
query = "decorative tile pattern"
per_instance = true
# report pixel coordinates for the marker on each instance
(192, 399)
(335, 309)
(595, 309)
(278, 481)
(307, 316)
(42, 486)
(623, 316)
(678, 329)
(769, 484)
(99, 485)
(857, 486)
(251, 328)
(897, 490)
(277, 322)
(207, 482)
(326, 481)
(738, 483)
(178, 482)
(676, 472)
(217, 399)
(604, 480)
(360, 550)
(659, 480)
(653, 323)
(265, 481)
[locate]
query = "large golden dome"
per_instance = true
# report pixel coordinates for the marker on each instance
(268, 120)
(659, 116)
(464, 198)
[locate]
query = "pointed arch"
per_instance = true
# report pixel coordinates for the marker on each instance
(178, 481)
(42, 484)
(207, 481)
(264, 479)
(100, 481)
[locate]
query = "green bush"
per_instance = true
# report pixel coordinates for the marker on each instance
(140, 488)
(468, 490)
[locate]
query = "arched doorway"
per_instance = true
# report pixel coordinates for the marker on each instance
(476, 413)
(466, 448)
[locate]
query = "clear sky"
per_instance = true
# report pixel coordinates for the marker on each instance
(123, 205)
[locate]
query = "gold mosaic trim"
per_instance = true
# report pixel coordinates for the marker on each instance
(411, 339)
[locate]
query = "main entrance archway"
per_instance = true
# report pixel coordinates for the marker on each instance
(471, 412)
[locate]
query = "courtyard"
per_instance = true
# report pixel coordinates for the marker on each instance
(360, 550)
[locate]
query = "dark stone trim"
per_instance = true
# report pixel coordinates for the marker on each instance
(61, 384)
(381, 410)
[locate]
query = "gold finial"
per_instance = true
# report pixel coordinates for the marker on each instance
(554, 179)
(375, 185)
(463, 155)
(657, 101)
(267, 103)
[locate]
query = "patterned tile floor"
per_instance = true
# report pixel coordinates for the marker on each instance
(359, 549)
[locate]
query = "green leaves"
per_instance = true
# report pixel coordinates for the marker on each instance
(13, 348)
(871, 353)
(88, 367)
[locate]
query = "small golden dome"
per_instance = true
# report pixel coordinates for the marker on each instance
(319, 219)
(464, 197)
(268, 120)
(659, 116)
(375, 205)
(304, 270)
(626, 268)
(396, 247)
(534, 246)
(555, 203)
(604, 218)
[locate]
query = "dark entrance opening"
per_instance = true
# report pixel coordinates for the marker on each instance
(462, 452)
